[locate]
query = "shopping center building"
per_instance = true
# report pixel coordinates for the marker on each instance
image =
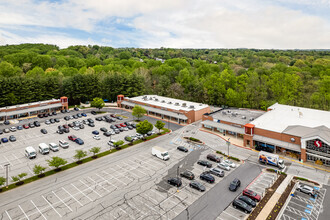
(31, 109)
(176, 110)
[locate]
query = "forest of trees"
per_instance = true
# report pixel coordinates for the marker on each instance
(248, 78)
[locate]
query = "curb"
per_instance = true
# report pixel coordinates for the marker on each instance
(286, 203)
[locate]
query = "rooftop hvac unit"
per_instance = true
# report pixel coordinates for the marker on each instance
(229, 111)
(150, 98)
(156, 100)
(200, 104)
(184, 104)
(191, 106)
(163, 101)
(233, 114)
(177, 103)
(145, 98)
(251, 119)
(224, 113)
(169, 103)
(243, 117)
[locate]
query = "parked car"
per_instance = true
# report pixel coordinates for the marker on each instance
(187, 174)
(224, 166)
(31, 125)
(133, 125)
(239, 204)
(1, 132)
(182, 148)
(13, 129)
(93, 112)
(234, 185)
(121, 129)
(75, 116)
(84, 114)
(52, 120)
(76, 128)
(72, 137)
(252, 195)
(98, 119)
(47, 122)
(79, 115)
(108, 133)
(6, 122)
(91, 125)
(129, 127)
(60, 131)
(57, 120)
(76, 109)
(123, 125)
(79, 141)
(230, 163)
(117, 131)
(119, 118)
(81, 126)
(214, 158)
(113, 127)
(306, 189)
(64, 144)
(12, 138)
(175, 181)
(150, 133)
(197, 185)
(95, 132)
(103, 129)
(36, 123)
(26, 126)
(207, 177)
(118, 126)
(54, 113)
(67, 118)
(97, 137)
(6, 130)
(113, 115)
(217, 172)
(44, 131)
(204, 163)
(40, 116)
(19, 127)
(65, 126)
(63, 111)
(53, 147)
(247, 200)
(4, 140)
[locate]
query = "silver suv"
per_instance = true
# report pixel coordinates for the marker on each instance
(217, 172)
(306, 189)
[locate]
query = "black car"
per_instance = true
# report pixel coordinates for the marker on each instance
(54, 113)
(44, 131)
(129, 127)
(63, 111)
(6, 122)
(36, 123)
(103, 129)
(239, 204)
(133, 125)
(234, 185)
(40, 116)
(1, 132)
(67, 118)
(187, 174)
(207, 177)
(175, 181)
(90, 120)
(91, 125)
(121, 129)
(182, 148)
(12, 138)
(81, 126)
(98, 119)
(113, 127)
(93, 112)
(197, 185)
(71, 125)
(247, 200)
(76, 109)
(75, 116)
(45, 115)
(107, 133)
(204, 163)
(119, 118)
(213, 158)
(79, 115)
(57, 120)
(79, 141)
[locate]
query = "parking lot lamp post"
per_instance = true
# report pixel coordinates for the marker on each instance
(7, 165)
(177, 174)
(228, 144)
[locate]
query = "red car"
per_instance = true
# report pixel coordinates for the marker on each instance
(72, 137)
(65, 126)
(26, 126)
(252, 195)
(118, 126)
(113, 115)
(123, 125)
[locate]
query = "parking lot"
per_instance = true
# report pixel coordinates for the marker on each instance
(258, 185)
(304, 207)
(133, 188)
(13, 152)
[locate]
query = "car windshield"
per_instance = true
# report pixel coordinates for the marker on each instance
(32, 153)
(164, 154)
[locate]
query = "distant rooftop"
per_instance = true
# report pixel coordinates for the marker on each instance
(237, 116)
(28, 104)
(170, 103)
(279, 117)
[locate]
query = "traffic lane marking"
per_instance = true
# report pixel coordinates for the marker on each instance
(51, 207)
(38, 210)
(75, 196)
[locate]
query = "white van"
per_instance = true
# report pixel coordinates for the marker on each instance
(30, 152)
(63, 144)
(43, 148)
(54, 147)
(160, 153)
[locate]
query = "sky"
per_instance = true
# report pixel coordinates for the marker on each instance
(263, 24)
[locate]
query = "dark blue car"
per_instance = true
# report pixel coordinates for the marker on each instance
(95, 132)
(4, 140)
(79, 141)
(84, 114)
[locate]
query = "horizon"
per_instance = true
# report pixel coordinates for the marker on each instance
(177, 24)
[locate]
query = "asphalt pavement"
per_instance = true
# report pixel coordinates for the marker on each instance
(213, 202)
(325, 215)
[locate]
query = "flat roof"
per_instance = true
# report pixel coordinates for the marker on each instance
(236, 115)
(223, 126)
(170, 103)
(22, 111)
(29, 104)
(279, 117)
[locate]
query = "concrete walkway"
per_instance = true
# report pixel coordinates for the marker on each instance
(275, 197)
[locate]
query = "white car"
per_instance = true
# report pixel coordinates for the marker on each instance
(76, 128)
(224, 166)
(13, 129)
(230, 163)
(97, 137)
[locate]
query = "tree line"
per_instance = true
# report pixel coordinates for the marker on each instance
(245, 78)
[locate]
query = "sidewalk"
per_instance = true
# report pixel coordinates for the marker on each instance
(275, 197)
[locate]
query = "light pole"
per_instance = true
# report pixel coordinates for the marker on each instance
(177, 175)
(228, 144)
(7, 165)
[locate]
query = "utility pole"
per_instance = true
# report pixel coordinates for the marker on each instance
(228, 144)
(7, 165)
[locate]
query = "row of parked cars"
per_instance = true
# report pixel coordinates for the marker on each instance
(75, 116)
(31, 153)
(11, 138)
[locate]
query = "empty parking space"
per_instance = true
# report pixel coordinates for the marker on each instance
(303, 206)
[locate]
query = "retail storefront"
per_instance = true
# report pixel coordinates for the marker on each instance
(317, 149)
(224, 128)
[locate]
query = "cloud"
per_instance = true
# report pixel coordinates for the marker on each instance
(276, 24)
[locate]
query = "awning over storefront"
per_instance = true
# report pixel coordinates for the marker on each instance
(286, 145)
(223, 126)
(159, 111)
(22, 111)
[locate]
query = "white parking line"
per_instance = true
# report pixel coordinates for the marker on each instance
(7, 160)
(231, 215)
(51, 205)
(105, 180)
(72, 197)
(137, 169)
(114, 177)
(38, 209)
(23, 212)
(98, 184)
(81, 192)
(62, 201)
(17, 158)
(8, 215)
(126, 212)
(90, 188)
(121, 174)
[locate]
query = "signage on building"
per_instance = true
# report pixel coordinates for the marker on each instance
(318, 143)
